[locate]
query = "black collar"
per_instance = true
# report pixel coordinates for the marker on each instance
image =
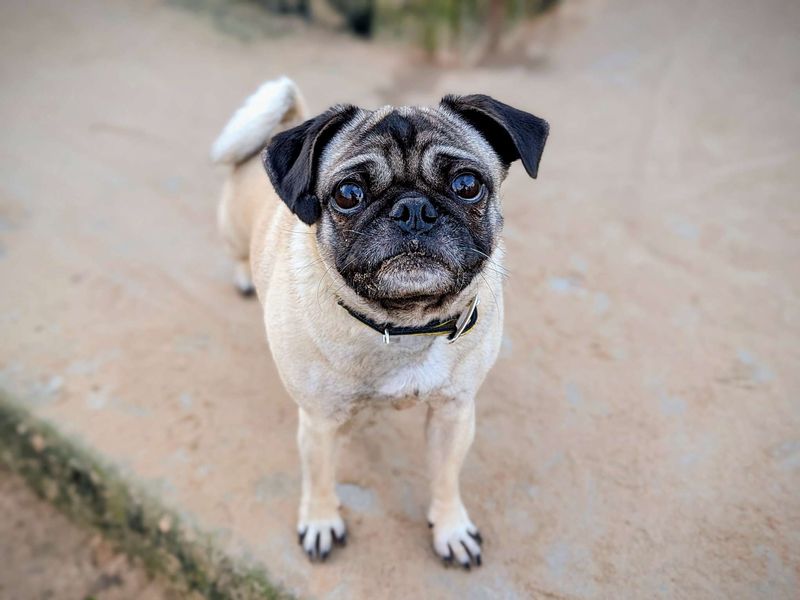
(452, 328)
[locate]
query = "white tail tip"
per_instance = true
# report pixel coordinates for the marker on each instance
(253, 124)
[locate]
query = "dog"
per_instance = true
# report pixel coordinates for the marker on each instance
(370, 241)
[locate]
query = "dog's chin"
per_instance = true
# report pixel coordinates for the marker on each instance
(408, 280)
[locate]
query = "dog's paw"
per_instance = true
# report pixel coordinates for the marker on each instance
(318, 536)
(455, 537)
(243, 280)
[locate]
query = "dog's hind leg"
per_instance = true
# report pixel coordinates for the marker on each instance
(243, 278)
(449, 430)
(233, 220)
(320, 525)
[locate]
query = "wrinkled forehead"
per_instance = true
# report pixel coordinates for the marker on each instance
(405, 140)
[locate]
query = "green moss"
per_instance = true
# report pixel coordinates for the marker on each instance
(93, 494)
(453, 24)
(244, 20)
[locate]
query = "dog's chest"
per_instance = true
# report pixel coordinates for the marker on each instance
(404, 374)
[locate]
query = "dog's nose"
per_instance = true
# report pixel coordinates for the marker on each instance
(414, 214)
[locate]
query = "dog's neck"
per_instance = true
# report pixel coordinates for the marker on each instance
(452, 328)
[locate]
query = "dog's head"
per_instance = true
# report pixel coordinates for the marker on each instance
(406, 200)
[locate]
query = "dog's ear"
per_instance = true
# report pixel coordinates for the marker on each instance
(512, 133)
(292, 156)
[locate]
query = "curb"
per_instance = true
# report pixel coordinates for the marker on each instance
(93, 494)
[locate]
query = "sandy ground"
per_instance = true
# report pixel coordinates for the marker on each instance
(44, 556)
(640, 434)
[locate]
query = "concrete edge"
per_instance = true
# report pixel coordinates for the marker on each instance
(92, 493)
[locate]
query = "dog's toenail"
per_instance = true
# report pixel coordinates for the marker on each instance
(464, 546)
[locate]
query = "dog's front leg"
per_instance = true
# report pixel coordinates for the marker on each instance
(320, 525)
(449, 430)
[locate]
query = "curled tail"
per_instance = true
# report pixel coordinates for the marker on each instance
(275, 102)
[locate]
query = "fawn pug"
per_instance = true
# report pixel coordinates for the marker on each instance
(369, 246)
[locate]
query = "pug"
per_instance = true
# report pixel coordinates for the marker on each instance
(373, 242)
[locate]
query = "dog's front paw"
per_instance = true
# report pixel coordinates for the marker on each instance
(455, 537)
(318, 536)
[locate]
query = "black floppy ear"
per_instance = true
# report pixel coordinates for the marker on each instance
(511, 132)
(291, 159)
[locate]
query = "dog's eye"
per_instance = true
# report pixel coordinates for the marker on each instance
(467, 186)
(348, 196)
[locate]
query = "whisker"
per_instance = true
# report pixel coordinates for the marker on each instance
(366, 235)
(347, 264)
(319, 283)
(499, 268)
(293, 231)
(491, 291)
(336, 291)
(306, 266)
(498, 273)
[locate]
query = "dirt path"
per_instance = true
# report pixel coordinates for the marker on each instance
(640, 435)
(43, 555)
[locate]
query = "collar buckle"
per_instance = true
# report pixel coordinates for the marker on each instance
(465, 319)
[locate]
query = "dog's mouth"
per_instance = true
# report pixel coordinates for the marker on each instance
(410, 278)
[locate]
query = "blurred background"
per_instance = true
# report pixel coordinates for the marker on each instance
(639, 436)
